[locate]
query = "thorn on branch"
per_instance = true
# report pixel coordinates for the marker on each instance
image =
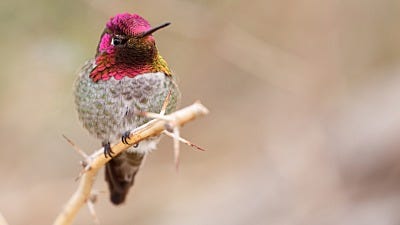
(160, 115)
(83, 163)
(184, 141)
(77, 149)
(96, 161)
(86, 168)
(165, 103)
(90, 203)
(176, 147)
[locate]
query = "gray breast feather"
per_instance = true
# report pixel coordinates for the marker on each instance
(107, 108)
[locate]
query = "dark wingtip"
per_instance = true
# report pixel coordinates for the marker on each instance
(120, 176)
(117, 198)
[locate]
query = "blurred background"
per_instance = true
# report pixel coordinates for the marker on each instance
(304, 125)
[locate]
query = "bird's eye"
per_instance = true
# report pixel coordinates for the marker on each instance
(118, 41)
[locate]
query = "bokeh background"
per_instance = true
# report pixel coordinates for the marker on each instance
(304, 125)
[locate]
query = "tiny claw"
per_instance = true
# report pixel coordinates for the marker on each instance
(107, 150)
(125, 137)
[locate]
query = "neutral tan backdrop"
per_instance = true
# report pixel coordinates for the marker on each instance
(304, 125)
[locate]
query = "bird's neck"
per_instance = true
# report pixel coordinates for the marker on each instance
(109, 67)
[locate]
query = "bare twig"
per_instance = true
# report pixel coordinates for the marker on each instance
(184, 141)
(165, 104)
(176, 147)
(90, 204)
(98, 160)
(74, 146)
(170, 126)
(154, 116)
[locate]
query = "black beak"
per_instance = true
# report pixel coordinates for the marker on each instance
(154, 29)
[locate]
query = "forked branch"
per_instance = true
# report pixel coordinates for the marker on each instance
(97, 160)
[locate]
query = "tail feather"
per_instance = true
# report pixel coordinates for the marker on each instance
(120, 175)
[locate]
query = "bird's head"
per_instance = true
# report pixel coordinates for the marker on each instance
(127, 42)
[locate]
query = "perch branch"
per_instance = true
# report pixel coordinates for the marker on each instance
(98, 160)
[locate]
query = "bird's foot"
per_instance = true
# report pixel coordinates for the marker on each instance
(125, 137)
(107, 149)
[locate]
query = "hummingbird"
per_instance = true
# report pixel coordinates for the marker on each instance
(126, 76)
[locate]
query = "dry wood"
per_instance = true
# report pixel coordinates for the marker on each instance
(98, 160)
